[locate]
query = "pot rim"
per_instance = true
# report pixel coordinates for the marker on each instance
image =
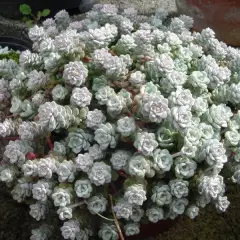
(15, 43)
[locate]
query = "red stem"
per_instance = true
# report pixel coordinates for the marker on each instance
(113, 188)
(87, 59)
(233, 154)
(129, 114)
(123, 174)
(50, 144)
(140, 124)
(10, 138)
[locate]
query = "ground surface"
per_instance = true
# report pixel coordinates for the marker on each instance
(210, 225)
(15, 222)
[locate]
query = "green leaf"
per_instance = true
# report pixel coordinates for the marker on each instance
(29, 23)
(26, 19)
(128, 182)
(72, 129)
(39, 14)
(25, 9)
(45, 12)
(114, 176)
(10, 55)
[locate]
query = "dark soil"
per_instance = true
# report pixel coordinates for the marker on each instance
(15, 221)
(210, 225)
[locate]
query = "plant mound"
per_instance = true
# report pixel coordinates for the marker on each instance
(117, 120)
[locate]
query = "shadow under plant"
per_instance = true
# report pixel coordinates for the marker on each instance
(210, 225)
(15, 221)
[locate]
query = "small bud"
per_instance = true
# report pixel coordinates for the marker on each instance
(36, 118)
(31, 156)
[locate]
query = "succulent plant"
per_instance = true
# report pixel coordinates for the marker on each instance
(119, 117)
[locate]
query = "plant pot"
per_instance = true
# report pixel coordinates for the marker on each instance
(16, 44)
(223, 16)
(86, 5)
(10, 8)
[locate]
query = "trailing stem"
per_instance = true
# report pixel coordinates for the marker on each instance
(176, 154)
(108, 219)
(115, 219)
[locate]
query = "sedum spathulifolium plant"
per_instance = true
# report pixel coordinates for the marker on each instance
(119, 106)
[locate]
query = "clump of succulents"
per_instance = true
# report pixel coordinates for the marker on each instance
(119, 117)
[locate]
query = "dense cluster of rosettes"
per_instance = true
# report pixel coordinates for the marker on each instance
(119, 106)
